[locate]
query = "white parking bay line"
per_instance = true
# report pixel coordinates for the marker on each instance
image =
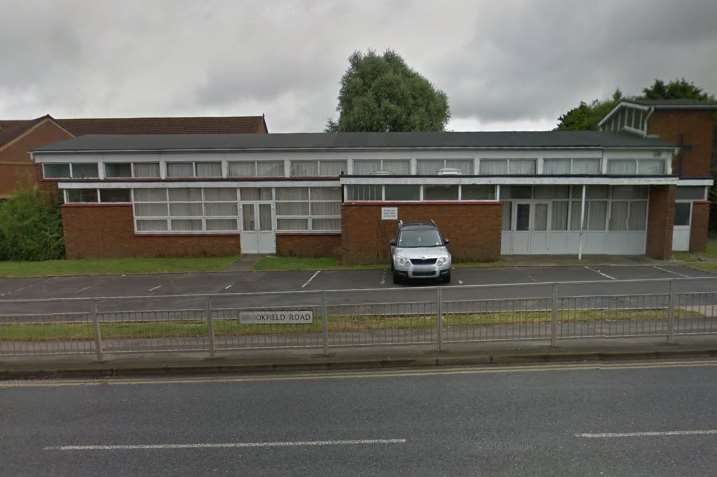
(226, 445)
(682, 275)
(611, 435)
(155, 288)
(229, 285)
(310, 278)
(600, 273)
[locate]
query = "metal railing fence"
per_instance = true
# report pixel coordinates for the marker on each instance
(438, 316)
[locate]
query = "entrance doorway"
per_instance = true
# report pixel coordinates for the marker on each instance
(258, 233)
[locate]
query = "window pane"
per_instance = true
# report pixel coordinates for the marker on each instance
(187, 225)
(82, 170)
(365, 167)
(597, 192)
(403, 192)
(463, 165)
(440, 192)
(507, 215)
(551, 192)
(398, 166)
(682, 213)
(209, 169)
(597, 214)
(56, 171)
(188, 209)
(559, 215)
(219, 195)
(651, 167)
(118, 169)
(221, 224)
(541, 217)
(251, 193)
(150, 195)
(185, 194)
(493, 167)
(292, 208)
(114, 195)
(151, 225)
(265, 222)
(325, 208)
(629, 192)
(292, 224)
(638, 215)
(522, 217)
(82, 195)
(477, 192)
(516, 192)
(304, 168)
(618, 215)
(146, 169)
(326, 224)
(242, 169)
(150, 210)
(247, 212)
(332, 168)
(556, 166)
(522, 166)
(364, 192)
(180, 169)
(429, 167)
(270, 168)
(292, 193)
(575, 215)
(690, 193)
(325, 193)
(621, 167)
(220, 209)
(586, 166)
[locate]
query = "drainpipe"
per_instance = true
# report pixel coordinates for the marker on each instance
(582, 225)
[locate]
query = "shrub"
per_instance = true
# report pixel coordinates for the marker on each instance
(31, 227)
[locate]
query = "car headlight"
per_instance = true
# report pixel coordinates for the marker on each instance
(402, 260)
(441, 260)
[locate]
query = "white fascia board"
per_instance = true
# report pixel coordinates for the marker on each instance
(620, 105)
(193, 184)
(695, 182)
(529, 180)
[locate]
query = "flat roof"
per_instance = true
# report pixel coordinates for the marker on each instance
(673, 103)
(353, 141)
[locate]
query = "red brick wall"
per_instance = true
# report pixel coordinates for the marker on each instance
(473, 229)
(699, 230)
(692, 128)
(308, 245)
(16, 168)
(104, 231)
(660, 221)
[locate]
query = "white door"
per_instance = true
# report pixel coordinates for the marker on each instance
(257, 233)
(521, 227)
(540, 242)
(681, 229)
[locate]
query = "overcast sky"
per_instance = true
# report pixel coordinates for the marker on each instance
(503, 64)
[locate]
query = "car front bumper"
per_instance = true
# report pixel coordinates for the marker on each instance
(423, 271)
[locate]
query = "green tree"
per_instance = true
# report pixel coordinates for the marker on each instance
(30, 227)
(675, 89)
(587, 116)
(381, 93)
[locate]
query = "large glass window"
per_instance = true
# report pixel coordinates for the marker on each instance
(477, 192)
(523, 167)
(209, 169)
(115, 195)
(683, 210)
(621, 167)
(403, 192)
(118, 169)
(555, 167)
(493, 167)
(322, 168)
(84, 170)
(364, 192)
(82, 195)
(180, 169)
(434, 166)
(690, 193)
(440, 192)
(56, 170)
(146, 169)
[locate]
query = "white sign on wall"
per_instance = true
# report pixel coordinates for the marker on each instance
(276, 317)
(389, 213)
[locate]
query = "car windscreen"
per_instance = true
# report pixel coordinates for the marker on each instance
(420, 238)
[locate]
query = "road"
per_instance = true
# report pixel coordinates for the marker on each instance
(632, 419)
(377, 286)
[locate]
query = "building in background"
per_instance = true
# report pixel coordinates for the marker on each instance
(637, 187)
(19, 137)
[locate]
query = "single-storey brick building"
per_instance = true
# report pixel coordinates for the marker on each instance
(638, 186)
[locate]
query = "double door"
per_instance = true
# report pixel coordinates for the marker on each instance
(530, 227)
(258, 233)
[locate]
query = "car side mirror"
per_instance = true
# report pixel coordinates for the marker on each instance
(446, 242)
(392, 243)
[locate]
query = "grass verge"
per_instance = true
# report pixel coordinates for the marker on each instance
(115, 266)
(337, 324)
(276, 263)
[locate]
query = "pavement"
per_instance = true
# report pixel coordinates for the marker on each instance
(651, 418)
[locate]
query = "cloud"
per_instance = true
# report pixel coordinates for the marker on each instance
(509, 64)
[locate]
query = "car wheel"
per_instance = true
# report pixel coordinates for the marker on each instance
(396, 278)
(447, 278)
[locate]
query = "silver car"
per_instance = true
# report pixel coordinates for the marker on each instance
(420, 252)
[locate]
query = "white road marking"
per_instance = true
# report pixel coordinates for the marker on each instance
(383, 277)
(460, 282)
(364, 375)
(225, 445)
(20, 289)
(229, 285)
(84, 288)
(671, 271)
(310, 278)
(610, 435)
(155, 288)
(600, 273)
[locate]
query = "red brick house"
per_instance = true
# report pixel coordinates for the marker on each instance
(19, 137)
